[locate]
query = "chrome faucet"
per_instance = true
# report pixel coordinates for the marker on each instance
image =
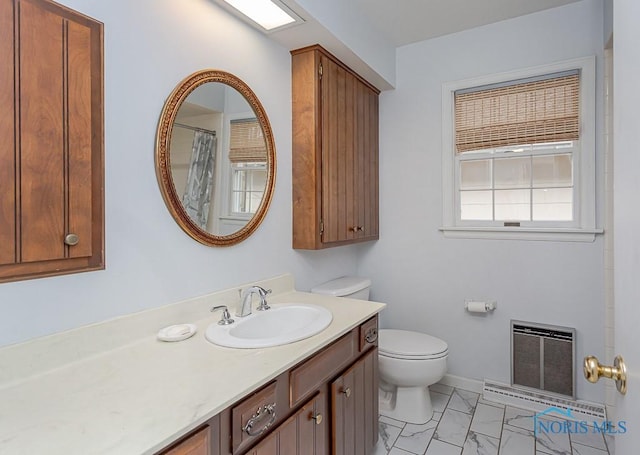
(244, 308)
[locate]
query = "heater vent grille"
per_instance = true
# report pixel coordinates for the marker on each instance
(543, 357)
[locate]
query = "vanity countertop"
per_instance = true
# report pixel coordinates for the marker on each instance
(101, 390)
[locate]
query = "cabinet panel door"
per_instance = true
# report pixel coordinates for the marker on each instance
(354, 397)
(338, 128)
(51, 156)
(196, 444)
(304, 433)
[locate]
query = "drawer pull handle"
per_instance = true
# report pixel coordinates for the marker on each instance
(317, 418)
(347, 392)
(372, 335)
(260, 415)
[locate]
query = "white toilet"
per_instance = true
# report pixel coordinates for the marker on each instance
(409, 362)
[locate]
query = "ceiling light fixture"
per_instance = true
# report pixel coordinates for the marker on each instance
(269, 15)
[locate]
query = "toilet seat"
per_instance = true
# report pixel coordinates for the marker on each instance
(409, 345)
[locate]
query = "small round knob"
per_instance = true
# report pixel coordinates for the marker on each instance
(317, 418)
(71, 239)
(591, 369)
(347, 392)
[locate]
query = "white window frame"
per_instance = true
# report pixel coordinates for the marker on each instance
(584, 228)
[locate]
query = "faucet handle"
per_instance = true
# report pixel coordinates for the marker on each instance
(226, 317)
(262, 292)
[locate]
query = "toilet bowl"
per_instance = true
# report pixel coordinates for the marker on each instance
(409, 362)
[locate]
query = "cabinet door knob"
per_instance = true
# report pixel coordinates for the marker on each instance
(317, 418)
(347, 392)
(71, 239)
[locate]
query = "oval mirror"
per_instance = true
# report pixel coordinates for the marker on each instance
(215, 158)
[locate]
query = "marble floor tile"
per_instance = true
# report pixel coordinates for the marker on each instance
(396, 451)
(487, 420)
(453, 427)
(479, 444)
(519, 418)
(586, 450)
(442, 448)
(465, 424)
(441, 388)
(388, 435)
(439, 401)
(415, 438)
(553, 443)
(464, 401)
(516, 441)
(392, 422)
(591, 438)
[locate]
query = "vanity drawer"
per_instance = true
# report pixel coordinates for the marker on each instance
(307, 377)
(254, 416)
(369, 334)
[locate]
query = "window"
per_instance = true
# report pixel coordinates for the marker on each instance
(248, 158)
(519, 154)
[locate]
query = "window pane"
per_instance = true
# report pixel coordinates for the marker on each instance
(475, 175)
(512, 205)
(553, 204)
(476, 205)
(512, 172)
(552, 170)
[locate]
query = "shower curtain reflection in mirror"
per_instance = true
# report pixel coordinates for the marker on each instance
(199, 190)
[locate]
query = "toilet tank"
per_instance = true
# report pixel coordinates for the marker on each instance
(354, 287)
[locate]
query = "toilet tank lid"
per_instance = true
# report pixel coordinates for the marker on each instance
(342, 286)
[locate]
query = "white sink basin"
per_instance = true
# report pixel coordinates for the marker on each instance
(282, 324)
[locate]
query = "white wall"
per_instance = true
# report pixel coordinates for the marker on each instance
(150, 46)
(426, 278)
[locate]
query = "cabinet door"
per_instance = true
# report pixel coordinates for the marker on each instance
(365, 222)
(304, 433)
(338, 96)
(354, 398)
(52, 173)
(197, 444)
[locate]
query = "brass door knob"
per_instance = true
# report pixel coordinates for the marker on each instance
(317, 418)
(593, 371)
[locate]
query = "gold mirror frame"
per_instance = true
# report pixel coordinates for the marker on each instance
(163, 159)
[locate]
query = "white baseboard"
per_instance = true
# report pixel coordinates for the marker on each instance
(473, 385)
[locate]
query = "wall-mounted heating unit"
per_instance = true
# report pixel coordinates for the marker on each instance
(543, 357)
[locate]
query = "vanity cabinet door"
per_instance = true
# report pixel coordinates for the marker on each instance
(304, 433)
(354, 404)
(335, 152)
(51, 152)
(198, 443)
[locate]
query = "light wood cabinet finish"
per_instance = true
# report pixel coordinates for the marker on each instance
(51, 153)
(335, 152)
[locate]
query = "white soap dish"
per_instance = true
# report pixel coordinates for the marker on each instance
(177, 332)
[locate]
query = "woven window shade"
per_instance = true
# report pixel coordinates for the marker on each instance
(246, 143)
(529, 112)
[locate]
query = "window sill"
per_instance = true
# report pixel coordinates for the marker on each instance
(521, 233)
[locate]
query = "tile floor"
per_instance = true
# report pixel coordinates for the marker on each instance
(465, 424)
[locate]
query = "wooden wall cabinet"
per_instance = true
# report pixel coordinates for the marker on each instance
(335, 152)
(313, 414)
(51, 151)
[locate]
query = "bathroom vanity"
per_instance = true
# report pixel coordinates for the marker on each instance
(328, 403)
(113, 387)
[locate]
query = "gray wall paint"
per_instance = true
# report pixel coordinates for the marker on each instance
(426, 278)
(150, 46)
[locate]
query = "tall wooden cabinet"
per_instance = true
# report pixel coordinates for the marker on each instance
(51, 147)
(335, 152)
